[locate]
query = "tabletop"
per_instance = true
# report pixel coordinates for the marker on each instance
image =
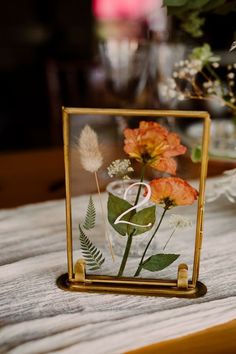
(37, 317)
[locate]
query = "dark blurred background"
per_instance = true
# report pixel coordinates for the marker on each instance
(50, 56)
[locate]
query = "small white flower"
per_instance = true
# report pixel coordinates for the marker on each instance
(179, 221)
(210, 90)
(181, 97)
(231, 75)
(208, 84)
(215, 65)
(171, 83)
(120, 168)
(192, 72)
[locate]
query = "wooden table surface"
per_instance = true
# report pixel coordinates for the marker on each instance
(215, 340)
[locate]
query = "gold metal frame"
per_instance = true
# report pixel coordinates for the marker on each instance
(78, 280)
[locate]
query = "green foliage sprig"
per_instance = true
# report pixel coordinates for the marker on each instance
(90, 217)
(93, 257)
(192, 13)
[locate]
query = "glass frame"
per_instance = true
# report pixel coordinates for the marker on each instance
(77, 280)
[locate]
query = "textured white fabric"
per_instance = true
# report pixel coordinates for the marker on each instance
(37, 317)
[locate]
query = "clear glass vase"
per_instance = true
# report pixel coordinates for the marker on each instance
(139, 242)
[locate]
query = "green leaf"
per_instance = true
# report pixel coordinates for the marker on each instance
(143, 217)
(213, 5)
(115, 207)
(93, 256)
(196, 154)
(174, 2)
(204, 53)
(197, 4)
(159, 261)
(90, 217)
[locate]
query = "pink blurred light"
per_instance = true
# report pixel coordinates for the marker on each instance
(124, 9)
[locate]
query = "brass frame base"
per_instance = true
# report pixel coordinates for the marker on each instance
(131, 289)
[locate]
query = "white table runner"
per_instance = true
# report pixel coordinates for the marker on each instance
(37, 317)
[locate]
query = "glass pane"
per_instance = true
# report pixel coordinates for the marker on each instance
(143, 221)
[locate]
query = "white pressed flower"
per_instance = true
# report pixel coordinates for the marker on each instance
(90, 154)
(120, 168)
(179, 221)
(91, 160)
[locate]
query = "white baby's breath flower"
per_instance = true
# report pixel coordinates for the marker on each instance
(231, 75)
(120, 168)
(90, 154)
(215, 65)
(179, 221)
(181, 97)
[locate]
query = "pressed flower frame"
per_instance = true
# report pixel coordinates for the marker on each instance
(77, 279)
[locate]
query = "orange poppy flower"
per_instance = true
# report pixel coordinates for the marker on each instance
(172, 191)
(153, 145)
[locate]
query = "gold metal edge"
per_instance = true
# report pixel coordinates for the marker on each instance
(65, 284)
(66, 133)
(137, 112)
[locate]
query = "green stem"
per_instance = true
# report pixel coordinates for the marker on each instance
(140, 186)
(130, 237)
(149, 242)
(126, 254)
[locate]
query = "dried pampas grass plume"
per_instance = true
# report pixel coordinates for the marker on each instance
(91, 160)
(90, 154)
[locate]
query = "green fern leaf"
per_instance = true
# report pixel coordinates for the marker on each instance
(93, 256)
(90, 217)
